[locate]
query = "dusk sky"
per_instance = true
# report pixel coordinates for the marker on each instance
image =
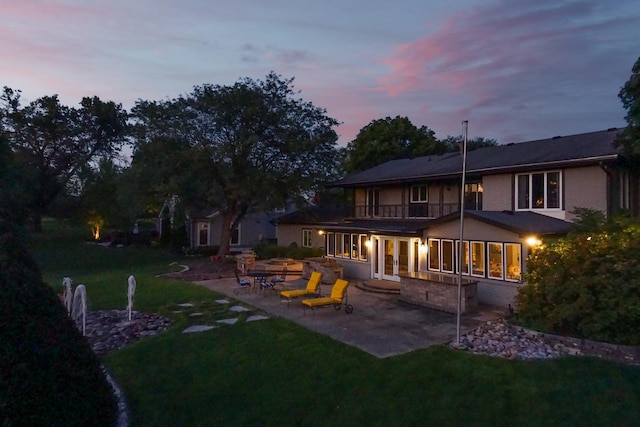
(517, 70)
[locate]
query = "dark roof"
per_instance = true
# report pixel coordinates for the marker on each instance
(586, 148)
(525, 222)
(313, 215)
(379, 226)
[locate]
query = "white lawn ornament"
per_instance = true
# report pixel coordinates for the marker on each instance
(67, 296)
(131, 293)
(79, 308)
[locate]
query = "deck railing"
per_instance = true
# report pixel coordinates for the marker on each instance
(421, 210)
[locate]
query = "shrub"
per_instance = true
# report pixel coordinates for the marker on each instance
(48, 373)
(586, 284)
(292, 251)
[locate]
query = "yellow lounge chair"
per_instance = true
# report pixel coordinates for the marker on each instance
(312, 288)
(337, 299)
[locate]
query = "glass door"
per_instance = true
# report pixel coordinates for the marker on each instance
(389, 259)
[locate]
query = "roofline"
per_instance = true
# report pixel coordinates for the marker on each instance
(503, 169)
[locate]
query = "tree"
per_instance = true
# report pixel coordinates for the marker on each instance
(54, 143)
(246, 147)
(629, 94)
(453, 143)
(389, 139)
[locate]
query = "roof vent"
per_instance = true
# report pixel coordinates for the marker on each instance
(556, 137)
(611, 129)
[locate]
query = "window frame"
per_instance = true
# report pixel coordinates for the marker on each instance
(422, 188)
(442, 255)
(477, 243)
(203, 227)
(527, 192)
(234, 238)
(430, 254)
(506, 264)
(307, 238)
(489, 274)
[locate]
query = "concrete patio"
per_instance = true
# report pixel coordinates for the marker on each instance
(380, 324)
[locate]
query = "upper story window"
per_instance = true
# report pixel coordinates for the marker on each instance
(473, 196)
(540, 190)
(419, 194)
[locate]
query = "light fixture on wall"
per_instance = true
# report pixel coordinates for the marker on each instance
(533, 241)
(368, 243)
(321, 232)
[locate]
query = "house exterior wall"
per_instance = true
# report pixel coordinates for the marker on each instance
(494, 292)
(497, 192)
(585, 187)
(292, 233)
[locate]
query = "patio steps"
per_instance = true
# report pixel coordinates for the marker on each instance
(379, 286)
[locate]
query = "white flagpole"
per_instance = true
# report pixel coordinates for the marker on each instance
(465, 130)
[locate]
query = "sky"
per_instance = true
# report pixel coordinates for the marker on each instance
(517, 70)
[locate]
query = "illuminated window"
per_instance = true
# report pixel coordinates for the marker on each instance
(434, 254)
(477, 259)
(331, 244)
(465, 257)
(495, 260)
(512, 261)
(447, 256)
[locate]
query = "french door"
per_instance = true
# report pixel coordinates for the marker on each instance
(392, 257)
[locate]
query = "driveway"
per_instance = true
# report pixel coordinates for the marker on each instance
(380, 324)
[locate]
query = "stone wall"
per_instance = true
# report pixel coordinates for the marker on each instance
(330, 269)
(439, 295)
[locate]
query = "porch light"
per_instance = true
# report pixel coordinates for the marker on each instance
(368, 243)
(321, 232)
(533, 241)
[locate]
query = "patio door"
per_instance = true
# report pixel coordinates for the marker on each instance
(391, 258)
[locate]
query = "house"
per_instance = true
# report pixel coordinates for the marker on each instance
(405, 219)
(204, 229)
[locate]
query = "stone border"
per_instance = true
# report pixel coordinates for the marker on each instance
(629, 354)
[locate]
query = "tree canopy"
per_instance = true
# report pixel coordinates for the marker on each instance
(53, 143)
(239, 148)
(630, 96)
(388, 139)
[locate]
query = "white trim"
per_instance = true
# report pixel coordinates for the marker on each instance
(489, 276)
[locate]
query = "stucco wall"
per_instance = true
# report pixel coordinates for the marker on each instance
(497, 192)
(585, 187)
(292, 233)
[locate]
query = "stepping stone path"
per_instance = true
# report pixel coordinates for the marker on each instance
(239, 308)
(230, 321)
(197, 328)
(255, 317)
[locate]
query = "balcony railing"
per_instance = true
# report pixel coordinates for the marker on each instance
(422, 210)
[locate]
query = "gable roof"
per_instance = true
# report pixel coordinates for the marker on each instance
(523, 223)
(573, 150)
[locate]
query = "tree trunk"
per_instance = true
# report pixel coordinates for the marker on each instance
(225, 233)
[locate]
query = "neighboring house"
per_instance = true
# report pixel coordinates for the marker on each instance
(204, 229)
(405, 217)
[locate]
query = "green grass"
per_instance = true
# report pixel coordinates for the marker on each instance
(276, 373)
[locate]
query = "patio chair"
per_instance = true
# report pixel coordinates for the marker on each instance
(337, 299)
(313, 285)
(281, 280)
(243, 284)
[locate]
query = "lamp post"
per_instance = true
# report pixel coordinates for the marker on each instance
(465, 130)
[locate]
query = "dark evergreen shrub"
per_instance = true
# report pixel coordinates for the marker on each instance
(48, 374)
(586, 284)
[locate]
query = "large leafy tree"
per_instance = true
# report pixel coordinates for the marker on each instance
(54, 143)
(389, 139)
(630, 96)
(246, 147)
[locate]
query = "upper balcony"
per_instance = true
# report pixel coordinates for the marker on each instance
(400, 211)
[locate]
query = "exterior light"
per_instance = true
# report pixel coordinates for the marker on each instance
(533, 241)
(368, 243)
(321, 232)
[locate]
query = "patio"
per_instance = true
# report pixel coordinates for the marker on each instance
(380, 324)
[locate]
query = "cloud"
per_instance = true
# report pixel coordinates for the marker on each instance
(507, 58)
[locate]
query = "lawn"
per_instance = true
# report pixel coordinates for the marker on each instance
(276, 373)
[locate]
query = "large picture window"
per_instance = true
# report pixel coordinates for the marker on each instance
(434, 254)
(477, 259)
(346, 245)
(538, 190)
(512, 261)
(447, 256)
(465, 257)
(495, 260)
